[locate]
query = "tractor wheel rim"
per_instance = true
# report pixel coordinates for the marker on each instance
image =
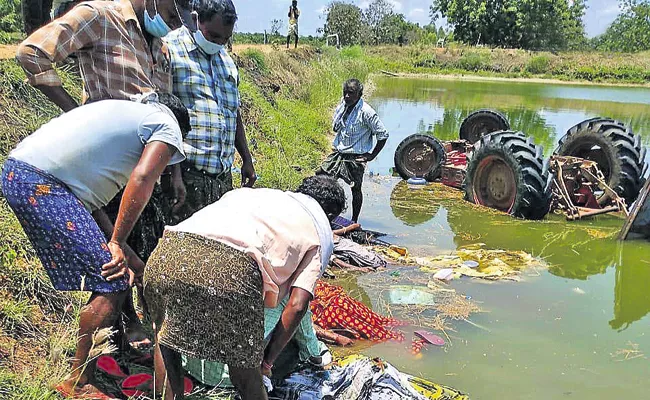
(495, 184)
(420, 159)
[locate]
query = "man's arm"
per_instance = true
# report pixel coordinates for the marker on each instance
(138, 190)
(53, 43)
(285, 328)
(248, 176)
(379, 131)
(104, 222)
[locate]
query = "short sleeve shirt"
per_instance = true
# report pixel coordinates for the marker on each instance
(274, 229)
(94, 148)
(208, 86)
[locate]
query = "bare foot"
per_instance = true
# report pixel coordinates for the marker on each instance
(69, 390)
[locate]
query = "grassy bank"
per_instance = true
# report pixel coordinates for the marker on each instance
(594, 67)
(287, 98)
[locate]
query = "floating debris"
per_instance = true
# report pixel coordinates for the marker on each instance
(628, 354)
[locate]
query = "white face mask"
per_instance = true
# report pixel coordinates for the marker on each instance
(207, 46)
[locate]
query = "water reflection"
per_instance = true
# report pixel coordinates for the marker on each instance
(413, 206)
(543, 111)
(631, 294)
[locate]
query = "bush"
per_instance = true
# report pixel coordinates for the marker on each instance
(352, 52)
(472, 62)
(10, 17)
(257, 58)
(539, 64)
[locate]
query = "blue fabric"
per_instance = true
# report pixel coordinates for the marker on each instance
(355, 134)
(208, 86)
(66, 238)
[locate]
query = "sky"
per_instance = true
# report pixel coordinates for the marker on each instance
(256, 15)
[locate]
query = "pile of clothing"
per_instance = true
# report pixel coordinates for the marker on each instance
(359, 377)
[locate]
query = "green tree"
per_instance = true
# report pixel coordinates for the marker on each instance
(529, 24)
(380, 18)
(630, 32)
(345, 20)
(10, 18)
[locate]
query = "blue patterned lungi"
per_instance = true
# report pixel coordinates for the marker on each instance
(64, 234)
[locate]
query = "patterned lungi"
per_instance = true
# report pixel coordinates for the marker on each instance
(205, 299)
(64, 234)
(344, 166)
(293, 29)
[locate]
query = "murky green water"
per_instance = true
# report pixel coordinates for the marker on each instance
(555, 334)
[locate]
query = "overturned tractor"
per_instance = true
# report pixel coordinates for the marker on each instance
(598, 167)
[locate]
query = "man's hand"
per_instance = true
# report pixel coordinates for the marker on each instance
(117, 267)
(364, 158)
(179, 191)
(248, 176)
(266, 371)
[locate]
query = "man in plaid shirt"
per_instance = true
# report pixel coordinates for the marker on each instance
(120, 55)
(206, 80)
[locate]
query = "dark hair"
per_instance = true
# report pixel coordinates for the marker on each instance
(178, 109)
(355, 85)
(206, 9)
(326, 191)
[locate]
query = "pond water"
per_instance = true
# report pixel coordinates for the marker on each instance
(559, 332)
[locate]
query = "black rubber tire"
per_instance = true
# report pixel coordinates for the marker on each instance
(530, 193)
(621, 157)
(482, 122)
(429, 150)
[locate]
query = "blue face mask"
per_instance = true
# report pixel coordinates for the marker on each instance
(156, 26)
(207, 46)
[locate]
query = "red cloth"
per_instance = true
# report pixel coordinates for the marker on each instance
(333, 309)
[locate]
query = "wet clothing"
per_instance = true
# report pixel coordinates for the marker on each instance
(358, 377)
(355, 133)
(344, 166)
(334, 309)
(208, 86)
(115, 59)
(287, 234)
(202, 190)
(94, 153)
(356, 254)
(206, 299)
(66, 238)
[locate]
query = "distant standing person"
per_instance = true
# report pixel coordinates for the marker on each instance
(294, 13)
(356, 125)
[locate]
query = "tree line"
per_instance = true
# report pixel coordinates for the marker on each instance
(526, 24)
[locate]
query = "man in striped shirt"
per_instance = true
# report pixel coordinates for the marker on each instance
(357, 126)
(206, 80)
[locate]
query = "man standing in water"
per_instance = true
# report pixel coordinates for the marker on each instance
(294, 13)
(356, 125)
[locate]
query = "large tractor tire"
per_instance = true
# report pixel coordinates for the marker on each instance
(617, 151)
(482, 122)
(507, 172)
(419, 156)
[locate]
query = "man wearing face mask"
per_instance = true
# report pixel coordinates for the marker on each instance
(120, 55)
(206, 80)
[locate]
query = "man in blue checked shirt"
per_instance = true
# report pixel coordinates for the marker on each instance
(206, 80)
(357, 126)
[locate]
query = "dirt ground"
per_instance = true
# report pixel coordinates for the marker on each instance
(8, 51)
